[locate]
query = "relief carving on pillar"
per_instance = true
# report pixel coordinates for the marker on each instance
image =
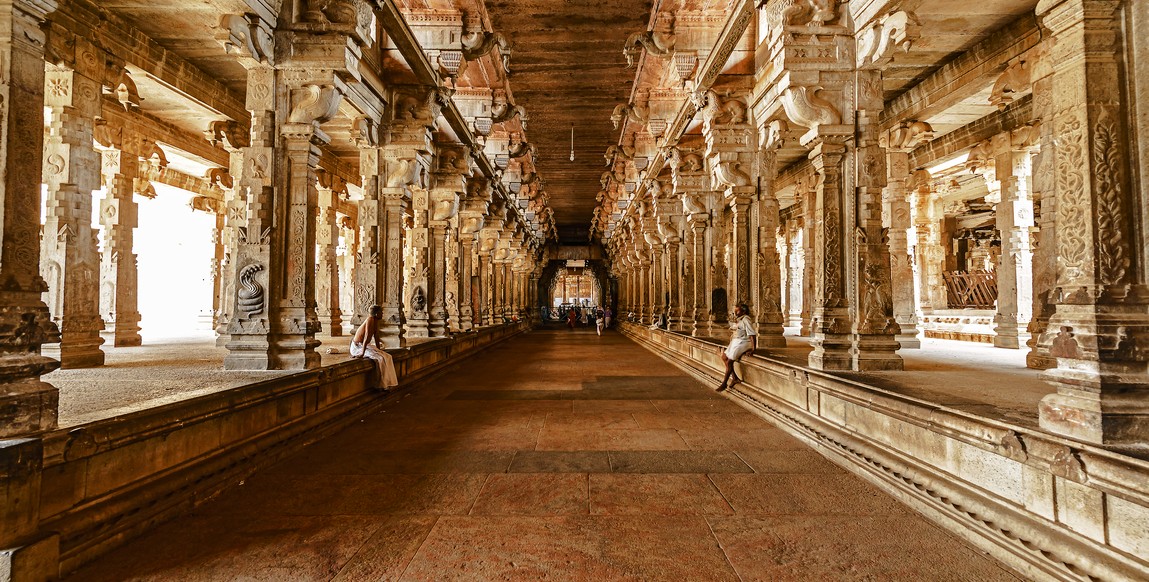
(251, 295)
(1113, 252)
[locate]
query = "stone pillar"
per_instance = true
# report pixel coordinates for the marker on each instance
(655, 276)
(450, 171)
(327, 238)
(929, 252)
(378, 275)
(875, 330)
(831, 317)
(471, 220)
(1014, 218)
(769, 302)
(233, 137)
(70, 261)
(1101, 315)
(488, 241)
(119, 217)
(809, 275)
(302, 138)
(1044, 241)
(419, 243)
(896, 199)
(27, 405)
(701, 315)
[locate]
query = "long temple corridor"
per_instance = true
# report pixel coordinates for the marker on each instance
(560, 455)
(285, 287)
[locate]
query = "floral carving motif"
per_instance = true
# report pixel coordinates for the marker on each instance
(1112, 254)
(1071, 210)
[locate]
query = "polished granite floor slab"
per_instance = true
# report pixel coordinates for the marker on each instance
(555, 456)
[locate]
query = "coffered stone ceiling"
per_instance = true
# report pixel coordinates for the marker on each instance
(568, 71)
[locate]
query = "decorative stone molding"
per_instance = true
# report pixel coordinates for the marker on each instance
(246, 35)
(878, 43)
(908, 135)
(804, 107)
(659, 41)
(1013, 81)
(229, 134)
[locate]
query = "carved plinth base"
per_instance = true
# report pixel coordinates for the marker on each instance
(123, 332)
(770, 334)
(418, 326)
(1113, 414)
(876, 353)
(27, 406)
(38, 560)
(1036, 360)
(831, 352)
(296, 352)
(391, 329)
(701, 324)
(1008, 334)
(82, 353)
(332, 321)
(439, 325)
(248, 352)
(907, 338)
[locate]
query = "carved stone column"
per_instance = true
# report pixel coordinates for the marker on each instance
(831, 318)
(27, 404)
(233, 137)
(875, 330)
(769, 315)
(450, 170)
(899, 143)
(327, 238)
(389, 174)
(70, 261)
(1045, 207)
(487, 245)
(472, 217)
(929, 252)
(1102, 317)
(298, 321)
(1014, 218)
(654, 274)
(701, 316)
(808, 196)
(119, 217)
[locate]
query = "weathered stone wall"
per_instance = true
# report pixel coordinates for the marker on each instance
(1050, 508)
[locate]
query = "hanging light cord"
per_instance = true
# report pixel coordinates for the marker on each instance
(572, 142)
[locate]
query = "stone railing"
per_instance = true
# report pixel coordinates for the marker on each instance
(1049, 507)
(90, 487)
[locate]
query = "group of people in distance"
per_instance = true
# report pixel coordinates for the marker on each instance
(578, 316)
(744, 340)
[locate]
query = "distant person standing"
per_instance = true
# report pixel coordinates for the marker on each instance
(599, 320)
(572, 317)
(745, 340)
(607, 314)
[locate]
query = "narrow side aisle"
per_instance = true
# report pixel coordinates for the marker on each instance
(556, 455)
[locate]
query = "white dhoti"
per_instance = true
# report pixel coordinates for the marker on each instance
(736, 348)
(384, 364)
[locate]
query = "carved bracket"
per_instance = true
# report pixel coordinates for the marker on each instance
(878, 43)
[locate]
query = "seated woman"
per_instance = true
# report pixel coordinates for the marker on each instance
(361, 347)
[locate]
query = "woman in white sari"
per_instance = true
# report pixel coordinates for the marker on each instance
(744, 340)
(366, 344)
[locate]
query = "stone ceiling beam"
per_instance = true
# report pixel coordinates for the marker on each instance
(964, 76)
(967, 136)
(400, 33)
(124, 42)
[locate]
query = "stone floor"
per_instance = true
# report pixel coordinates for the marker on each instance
(559, 455)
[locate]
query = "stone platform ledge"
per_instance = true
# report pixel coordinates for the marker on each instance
(1048, 507)
(109, 480)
